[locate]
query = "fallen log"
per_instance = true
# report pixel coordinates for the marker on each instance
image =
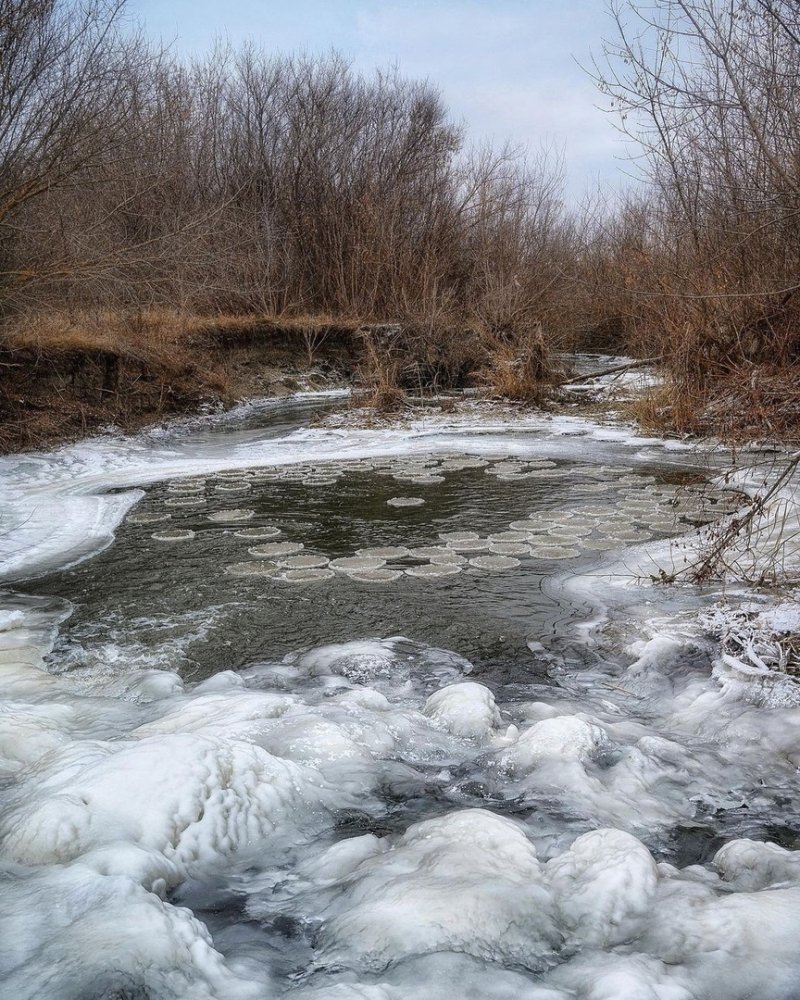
(616, 370)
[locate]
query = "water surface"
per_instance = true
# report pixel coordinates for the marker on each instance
(521, 780)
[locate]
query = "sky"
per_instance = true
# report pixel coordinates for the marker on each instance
(509, 70)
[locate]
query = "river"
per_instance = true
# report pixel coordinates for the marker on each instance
(296, 708)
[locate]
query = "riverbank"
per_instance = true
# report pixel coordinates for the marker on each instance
(62, 379)
(65, 377)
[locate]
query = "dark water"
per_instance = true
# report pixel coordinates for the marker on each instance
(154, 592)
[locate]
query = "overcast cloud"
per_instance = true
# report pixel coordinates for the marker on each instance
(508, 69)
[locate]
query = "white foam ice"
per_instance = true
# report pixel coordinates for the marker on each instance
(113, 805)
(109, 934)
(565, 739)
(214, 796)
(444, 872)
(600, 919)
(394, 666)
(465, 709)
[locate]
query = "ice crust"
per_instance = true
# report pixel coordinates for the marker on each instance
(66, 950)
(600, 919)
(213, 796)
(114, 806)
(465, 709)
(58, 510)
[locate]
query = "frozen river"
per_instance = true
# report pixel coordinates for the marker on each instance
(294, 709)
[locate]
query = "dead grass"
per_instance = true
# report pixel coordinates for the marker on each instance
(130, 335)
(64, 374)
(378, 373)
(664, 409)
(748, 403)
(156, 333)
(520, 369)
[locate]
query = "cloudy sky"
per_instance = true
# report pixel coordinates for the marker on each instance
(509, 69)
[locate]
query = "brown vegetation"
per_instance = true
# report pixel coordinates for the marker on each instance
(703, 268)
(246, 185)
(171, 215)
(63, 376)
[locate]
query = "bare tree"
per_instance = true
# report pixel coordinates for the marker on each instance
(708, 91)
(63, 107)
(243, 183)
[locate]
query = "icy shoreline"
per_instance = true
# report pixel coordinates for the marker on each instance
(56, 510)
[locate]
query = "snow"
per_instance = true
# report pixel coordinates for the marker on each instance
(466, 709)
